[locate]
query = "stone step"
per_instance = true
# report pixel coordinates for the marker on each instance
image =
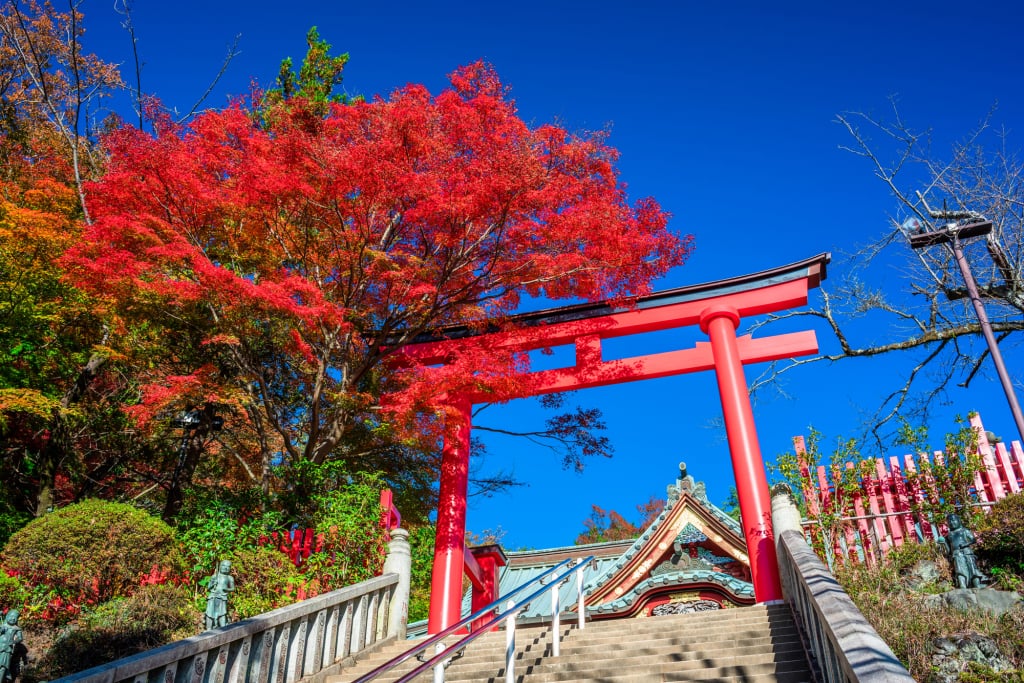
(695, 659)
(492, 646)
(743, 669)
(687, 635)
(652, 627)
(758, 642)
(793, 670)
(645, 677)
(753, 644)
(708, 618)
(587, 639)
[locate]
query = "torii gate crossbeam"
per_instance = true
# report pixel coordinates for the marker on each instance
(717, 307)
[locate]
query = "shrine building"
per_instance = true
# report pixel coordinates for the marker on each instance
(692, 558)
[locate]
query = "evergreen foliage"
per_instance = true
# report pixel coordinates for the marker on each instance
(1001, 536)
(152, 616)
(91, 552)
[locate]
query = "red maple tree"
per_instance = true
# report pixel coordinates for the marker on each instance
(301, 248)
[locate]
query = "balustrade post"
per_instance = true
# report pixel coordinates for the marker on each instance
(399, 561)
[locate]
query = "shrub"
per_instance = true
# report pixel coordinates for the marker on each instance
(264, 579)
(91, 552)
(216, 523)
(1001, 535)
(152, 616)
(349, 519)
(905, 620)
(421, 542)
(13, 593)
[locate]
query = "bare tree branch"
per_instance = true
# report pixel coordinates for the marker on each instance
(929, 317)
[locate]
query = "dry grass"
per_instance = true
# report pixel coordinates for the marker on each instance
(902, 618)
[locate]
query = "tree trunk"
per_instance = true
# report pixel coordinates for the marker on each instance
(189, 456)
(58, 446)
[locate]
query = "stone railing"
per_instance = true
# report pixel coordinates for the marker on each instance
(844, 647)
(306, 640)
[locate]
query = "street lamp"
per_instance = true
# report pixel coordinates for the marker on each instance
(964, 225)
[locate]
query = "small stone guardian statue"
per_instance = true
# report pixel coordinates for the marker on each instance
(963, 564)
(10, 646)
(218, 586)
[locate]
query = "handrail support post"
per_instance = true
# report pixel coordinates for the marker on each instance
(439, 667)
(510, 644)
(555, 621)
(579, 597)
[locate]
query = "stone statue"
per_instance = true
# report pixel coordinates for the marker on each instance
(963, 564)
(218, 586)
(10, 646)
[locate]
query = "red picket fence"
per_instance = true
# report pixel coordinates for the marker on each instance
(882, 506)
(297, 544)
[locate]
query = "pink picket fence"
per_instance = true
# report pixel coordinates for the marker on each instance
(878, 514)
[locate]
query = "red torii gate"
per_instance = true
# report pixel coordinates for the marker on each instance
(717, 307)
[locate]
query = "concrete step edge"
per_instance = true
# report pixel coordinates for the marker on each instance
(677, 673)
(640, 649)
(770, 661)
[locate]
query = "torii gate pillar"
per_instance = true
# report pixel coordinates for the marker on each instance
(720, 323)
(450, 541)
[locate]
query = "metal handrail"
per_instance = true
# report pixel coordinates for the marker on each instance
(512, 609)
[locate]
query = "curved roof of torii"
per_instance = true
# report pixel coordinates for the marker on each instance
(812, 269)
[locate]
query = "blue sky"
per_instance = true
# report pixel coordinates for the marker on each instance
(724, 112)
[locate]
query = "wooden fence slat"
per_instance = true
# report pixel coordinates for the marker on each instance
(902, 502)
(1006, 469)
(1018, 457)
(993, 483)
(918, 494)
(844, 507)
(828, 506)
(866, 543)
(885, 486)
(805, 475)
(871, 490)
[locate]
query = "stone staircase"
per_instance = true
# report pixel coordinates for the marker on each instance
(750, 644)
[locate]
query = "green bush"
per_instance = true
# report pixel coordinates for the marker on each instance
(349, 519)
(264, 579)
(1001, 535)
(13, 593)
(421, 543)
(216, 523)
(153, 616)
(91, 552)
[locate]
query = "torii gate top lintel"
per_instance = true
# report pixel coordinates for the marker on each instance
(586, 325)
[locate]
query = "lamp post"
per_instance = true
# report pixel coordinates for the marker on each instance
(963, 225)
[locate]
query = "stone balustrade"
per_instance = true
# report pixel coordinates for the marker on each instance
(843, 646)
(306, 640)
